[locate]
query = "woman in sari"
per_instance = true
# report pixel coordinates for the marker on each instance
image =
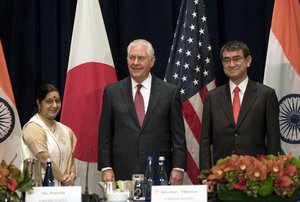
(43, 137)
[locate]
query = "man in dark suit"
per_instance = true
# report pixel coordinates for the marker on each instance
(251, 129)
(125, 139)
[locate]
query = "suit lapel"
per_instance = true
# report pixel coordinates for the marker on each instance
(225, 101)
(128, 98)
(249, 98)
(154, 97)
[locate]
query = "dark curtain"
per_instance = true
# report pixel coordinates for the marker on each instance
(36, 36)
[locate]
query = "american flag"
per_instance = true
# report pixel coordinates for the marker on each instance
(191, 68)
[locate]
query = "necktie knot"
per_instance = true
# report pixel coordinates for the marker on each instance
(139, 86)
(236, 90)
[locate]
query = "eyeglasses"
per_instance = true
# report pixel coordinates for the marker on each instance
(235, 60)
(139, 58)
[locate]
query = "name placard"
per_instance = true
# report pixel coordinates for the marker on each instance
(180, 193)
(54, 194)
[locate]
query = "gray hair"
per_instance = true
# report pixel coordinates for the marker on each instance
(150, 49)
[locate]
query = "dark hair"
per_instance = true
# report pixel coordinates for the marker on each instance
(44, 90)
(235, 46)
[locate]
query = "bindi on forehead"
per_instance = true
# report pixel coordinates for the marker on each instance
(53, 95)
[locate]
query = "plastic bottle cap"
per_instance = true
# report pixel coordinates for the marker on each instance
(149, 158)
(48, 160)
(161, 158)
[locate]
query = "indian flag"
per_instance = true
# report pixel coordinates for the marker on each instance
(282, 71)
(10, 127)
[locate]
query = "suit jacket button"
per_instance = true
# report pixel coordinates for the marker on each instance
(236, 135)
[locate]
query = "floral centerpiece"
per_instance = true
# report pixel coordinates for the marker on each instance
(13, 182)
(257, 177)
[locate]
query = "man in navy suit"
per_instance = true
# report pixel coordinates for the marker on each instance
(125, 141)
(256, 128)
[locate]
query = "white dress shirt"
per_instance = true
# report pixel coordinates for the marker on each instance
(242, 86)
(145, 90)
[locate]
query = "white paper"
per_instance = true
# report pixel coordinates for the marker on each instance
(54, 194)
(180, 193)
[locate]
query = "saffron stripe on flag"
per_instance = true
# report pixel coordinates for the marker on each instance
(285, 22)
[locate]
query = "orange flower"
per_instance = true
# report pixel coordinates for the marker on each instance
(272, 165)
(227, 165)
(243, 163)
(218, 174)
(258, 172)
(260, 176)
(3, 173)
(289, 156)
(234, 158)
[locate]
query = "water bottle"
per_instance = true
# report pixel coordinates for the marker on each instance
(162, 177)
(149, 178)
(48, 179)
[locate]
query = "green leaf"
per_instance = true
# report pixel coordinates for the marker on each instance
(25, 186)
(271, 156)
(295, 161)
(204, 174)
(21, 177)
(266, 187)
(223, 160)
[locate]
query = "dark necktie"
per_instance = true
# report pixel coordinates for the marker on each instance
(236, 104)
(139, 104)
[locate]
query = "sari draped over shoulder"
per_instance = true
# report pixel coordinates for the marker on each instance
(60, 143)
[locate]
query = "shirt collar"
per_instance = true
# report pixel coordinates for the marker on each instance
(242, 86)
(146, 83)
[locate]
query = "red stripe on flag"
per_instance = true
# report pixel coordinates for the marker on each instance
(192, 169)
(192, 119)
